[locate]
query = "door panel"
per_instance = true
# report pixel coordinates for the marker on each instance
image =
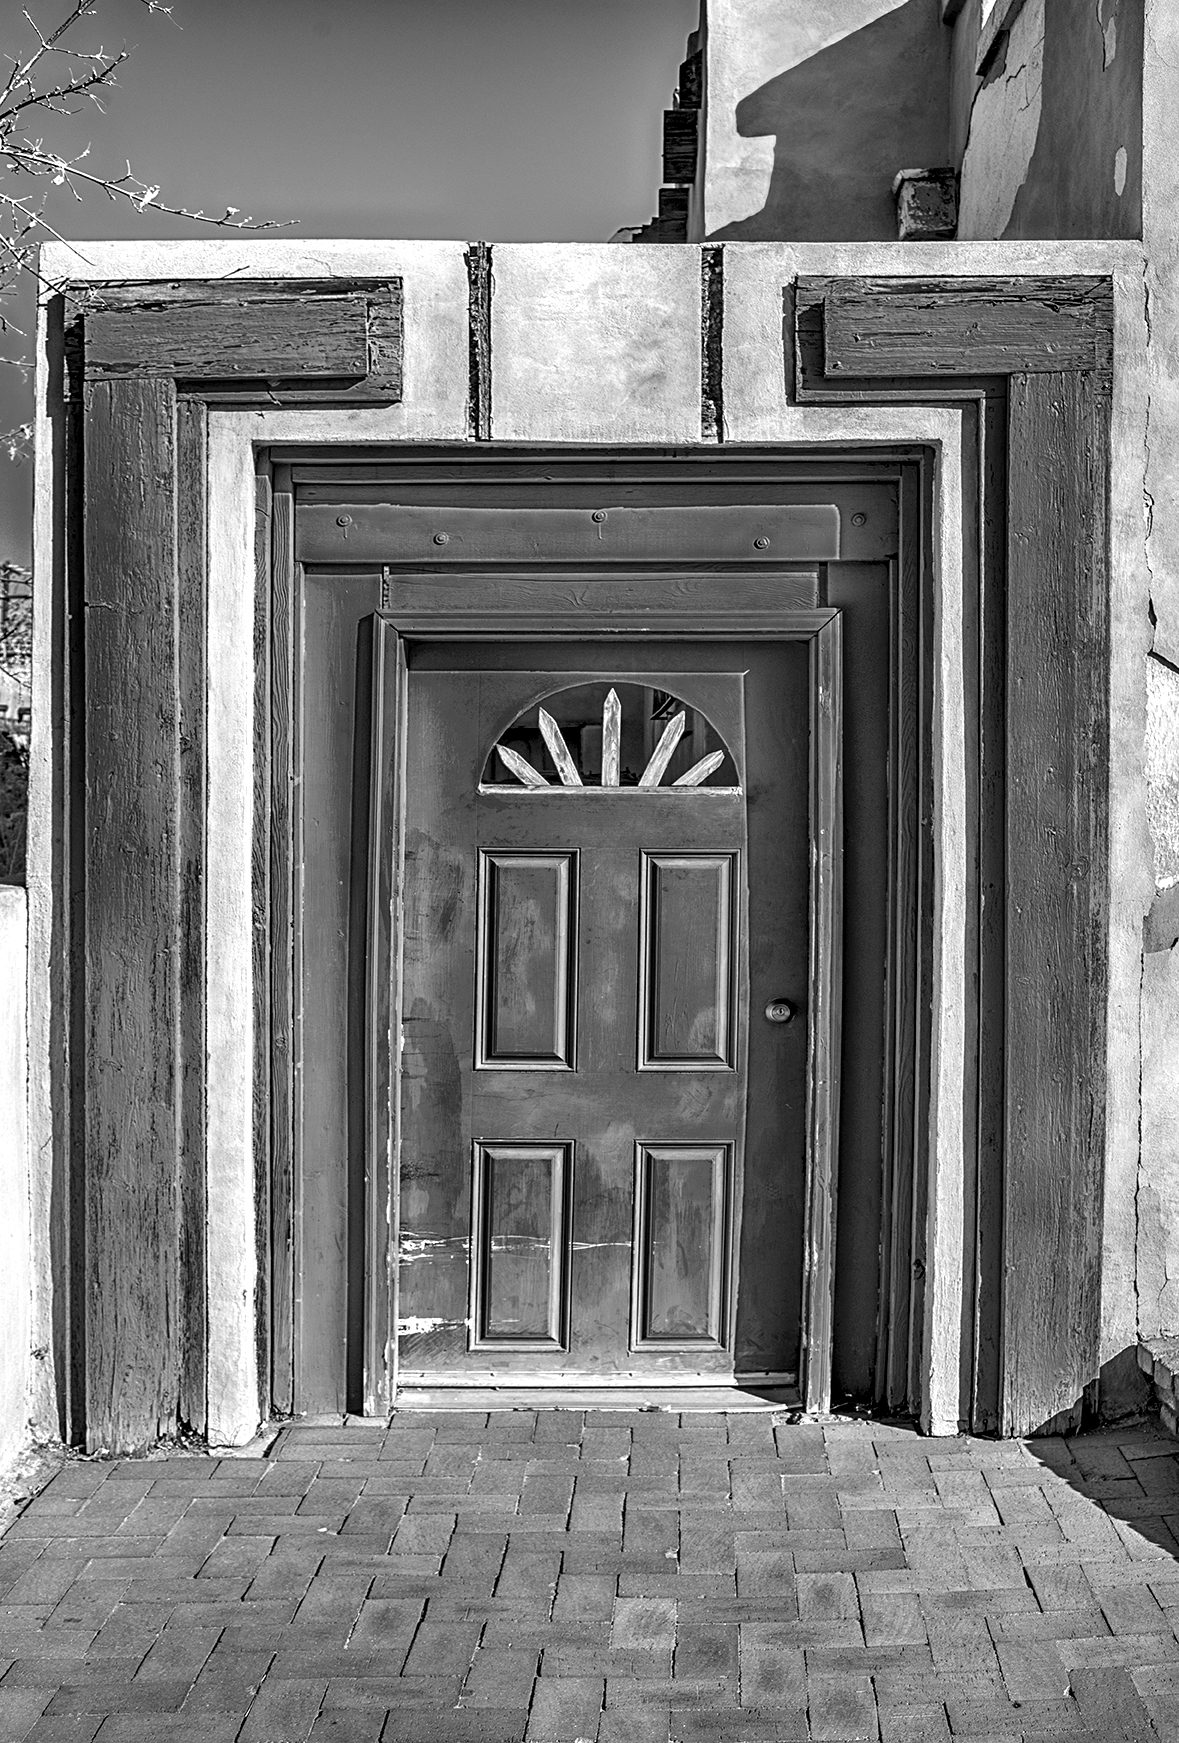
(520, 1246)
(526, 998)
(576, 1040)
(686, 990)
(680, 1251)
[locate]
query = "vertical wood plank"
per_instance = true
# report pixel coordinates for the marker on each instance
(479, 289)
(260, 877)
(923, 958)
(382, 1038)
(712, 326)
(1057, 784)
(191, 426)
(826, 982)
(892, 1374)
(132, 914)
(298, 969)
(282, 656)
(992, 906)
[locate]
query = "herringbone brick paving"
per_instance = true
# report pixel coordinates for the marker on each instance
(528, 1576)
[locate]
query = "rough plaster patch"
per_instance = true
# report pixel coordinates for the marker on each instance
(751, 42)
(1162, 769)
(1160, 233)
(591, 343)
(1158, 1193)
(1004, 126)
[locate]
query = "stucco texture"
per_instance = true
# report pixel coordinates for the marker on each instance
(1054, 148)
(813, 109)
(14, 1178)
(1158, 1195)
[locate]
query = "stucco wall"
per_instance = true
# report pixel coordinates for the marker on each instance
(1157, 1208)
(1049, 138)
(811, 110)
(14, 1177)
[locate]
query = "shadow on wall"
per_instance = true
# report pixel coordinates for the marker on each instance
(844, 121)
(1055, 143)
(1085, 176)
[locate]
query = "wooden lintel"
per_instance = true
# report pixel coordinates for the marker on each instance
(919, 327)
(248, 335)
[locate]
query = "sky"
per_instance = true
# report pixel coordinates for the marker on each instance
(504, 120)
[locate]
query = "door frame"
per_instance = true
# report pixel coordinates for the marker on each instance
(146, 992)
(385, 732)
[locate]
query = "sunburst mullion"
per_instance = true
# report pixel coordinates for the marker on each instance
(611, 740)
(664, 751)
(559, 750)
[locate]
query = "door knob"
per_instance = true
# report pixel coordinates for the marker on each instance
(779, 1011)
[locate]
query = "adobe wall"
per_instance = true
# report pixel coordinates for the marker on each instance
(1049, 136)
(811, 110)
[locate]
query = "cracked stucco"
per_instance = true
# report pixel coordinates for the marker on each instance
(1004, 127)
(1158, 1194)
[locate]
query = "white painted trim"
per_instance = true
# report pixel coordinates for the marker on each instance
(230, 1255)
(47, 756)
(232, 439)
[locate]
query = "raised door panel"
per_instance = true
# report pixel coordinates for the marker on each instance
(687, 957)
(519, 1246)
(526, 994)
(680, 1263)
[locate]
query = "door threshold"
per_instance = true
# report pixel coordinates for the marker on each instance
(630, 1398)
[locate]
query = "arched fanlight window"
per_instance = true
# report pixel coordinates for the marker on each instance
(610, 737)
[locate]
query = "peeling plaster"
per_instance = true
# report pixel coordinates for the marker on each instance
(1004, 127)
(1162, 768)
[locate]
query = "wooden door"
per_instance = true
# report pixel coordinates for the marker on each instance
(602, 1131)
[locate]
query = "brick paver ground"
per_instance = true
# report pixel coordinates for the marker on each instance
(628, 1578)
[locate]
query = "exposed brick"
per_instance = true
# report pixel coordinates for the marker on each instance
(68, 1728)
(565, 1708)
(643, 1623)
(147, 1696)
(20, 1708)
(842, 1708)
(387, 1626)
(442, 1648)
(228, 1682)
(283, 1712)
(585, 1595)
(923, 1724)
(501, 1678)
(892, 1620)
(1032, 1672)
(826, 1598)
(179, 1653)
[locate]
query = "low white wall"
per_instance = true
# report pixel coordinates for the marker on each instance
(14, 1175)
